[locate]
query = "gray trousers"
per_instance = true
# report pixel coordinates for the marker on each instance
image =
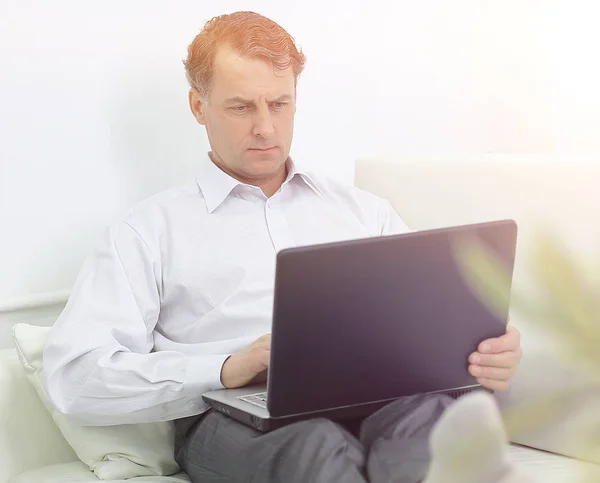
(391, 445)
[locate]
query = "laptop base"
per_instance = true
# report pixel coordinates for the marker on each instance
(227, 402)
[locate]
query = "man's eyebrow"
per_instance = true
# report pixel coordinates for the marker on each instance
(241, 100)
(237, 100)
(284, 97)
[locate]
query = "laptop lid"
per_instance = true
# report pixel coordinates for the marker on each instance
(379, 318)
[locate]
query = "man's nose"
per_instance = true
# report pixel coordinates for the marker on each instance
(263, 123)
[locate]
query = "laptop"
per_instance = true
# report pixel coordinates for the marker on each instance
(358, 324)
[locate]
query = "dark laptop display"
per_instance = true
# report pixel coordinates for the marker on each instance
(362, 322)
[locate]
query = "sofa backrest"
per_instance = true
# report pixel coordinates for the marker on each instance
(560, 195)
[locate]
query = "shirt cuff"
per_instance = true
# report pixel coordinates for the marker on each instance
(203, 374)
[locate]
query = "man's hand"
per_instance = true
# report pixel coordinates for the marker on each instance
(496, 360)
(248, 365)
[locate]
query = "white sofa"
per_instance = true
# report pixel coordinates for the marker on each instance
(538, 192)
(427, 192)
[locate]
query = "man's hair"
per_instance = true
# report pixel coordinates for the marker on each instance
(250, 35)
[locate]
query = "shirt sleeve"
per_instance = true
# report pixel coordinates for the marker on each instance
(99, 367)
(390, 221)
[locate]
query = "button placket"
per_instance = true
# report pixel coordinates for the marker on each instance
(278, 227)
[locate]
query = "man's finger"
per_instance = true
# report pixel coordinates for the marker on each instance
(510, 341)
(504, 359)
(495, 373)
(493, 384)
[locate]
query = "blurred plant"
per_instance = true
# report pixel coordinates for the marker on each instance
(566, 308)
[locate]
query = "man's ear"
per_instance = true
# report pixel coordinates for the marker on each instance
(197, 105)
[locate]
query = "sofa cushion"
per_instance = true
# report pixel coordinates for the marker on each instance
(111, 452)
(545, 467)
(78, 472)
(29, 437)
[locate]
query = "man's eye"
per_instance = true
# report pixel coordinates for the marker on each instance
(279, 105)
(240, 108)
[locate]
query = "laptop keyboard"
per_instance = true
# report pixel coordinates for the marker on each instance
(259, 399)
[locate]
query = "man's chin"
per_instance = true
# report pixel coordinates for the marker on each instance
(270, 161)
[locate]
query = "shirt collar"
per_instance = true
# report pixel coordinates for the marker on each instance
(216, 185)
(308, 178)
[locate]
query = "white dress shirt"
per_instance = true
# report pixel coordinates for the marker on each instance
(182, 281)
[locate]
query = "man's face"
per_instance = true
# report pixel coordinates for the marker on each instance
(249, 115)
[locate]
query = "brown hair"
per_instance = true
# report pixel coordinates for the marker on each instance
(249, 34)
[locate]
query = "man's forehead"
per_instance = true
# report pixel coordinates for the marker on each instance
(250, 77)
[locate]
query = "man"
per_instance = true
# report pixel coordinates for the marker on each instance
(177, 297)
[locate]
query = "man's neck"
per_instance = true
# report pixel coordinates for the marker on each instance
(269, 186)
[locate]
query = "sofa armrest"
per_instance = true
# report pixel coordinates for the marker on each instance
(28, 436)
(566, 428)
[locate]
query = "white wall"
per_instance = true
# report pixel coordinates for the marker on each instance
(94, 113)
